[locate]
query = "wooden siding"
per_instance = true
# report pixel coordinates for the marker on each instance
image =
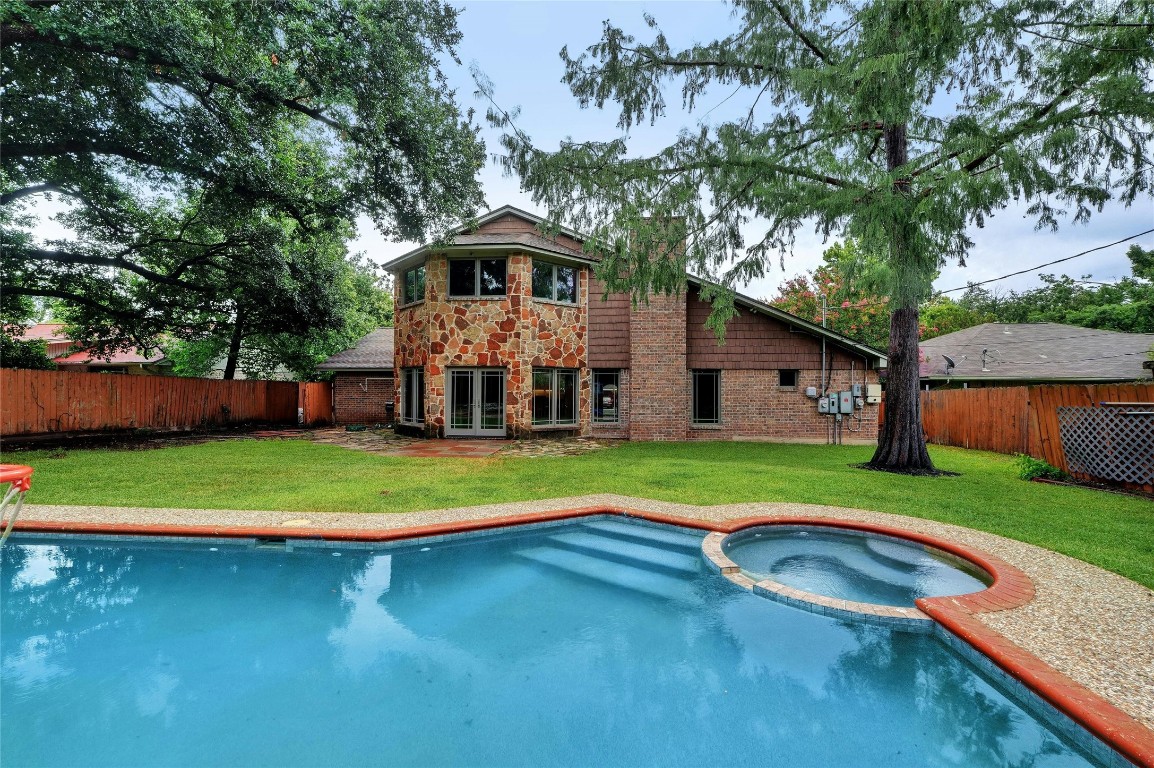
(511, 224)
(42, 402)
(1017, 419)
(756, 342)
(608, 328)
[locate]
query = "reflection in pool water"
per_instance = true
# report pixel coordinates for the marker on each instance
(599, 642)
(849, 565)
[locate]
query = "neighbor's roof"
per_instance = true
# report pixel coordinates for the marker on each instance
(46, 331)
(373, 352)
(116, 358)
(1037, 352)
(465, 237)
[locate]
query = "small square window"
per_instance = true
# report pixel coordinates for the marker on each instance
(787, 378)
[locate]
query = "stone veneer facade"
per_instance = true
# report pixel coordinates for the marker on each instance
(516, 333)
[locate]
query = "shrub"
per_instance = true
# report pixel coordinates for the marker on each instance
(1030, 468)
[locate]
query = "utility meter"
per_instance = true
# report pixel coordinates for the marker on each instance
(823, 405)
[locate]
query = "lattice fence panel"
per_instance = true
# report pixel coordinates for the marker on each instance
(1109, 443)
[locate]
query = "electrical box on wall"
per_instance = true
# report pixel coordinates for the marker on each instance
(811, 392)
(832, 398)
(873, 393)
(845, 402)
(823, 405)
(856, 389)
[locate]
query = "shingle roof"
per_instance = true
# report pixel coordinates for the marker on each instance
(1039, 352)
(523, 238)
(373, 352)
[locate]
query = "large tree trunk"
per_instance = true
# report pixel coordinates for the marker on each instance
(901, 444)
(234, 347)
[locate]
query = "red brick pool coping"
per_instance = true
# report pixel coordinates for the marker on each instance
(1011, 588)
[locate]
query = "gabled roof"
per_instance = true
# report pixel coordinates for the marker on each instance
(1037, 352)
(801, 324)
(372, 352)
(465, 237)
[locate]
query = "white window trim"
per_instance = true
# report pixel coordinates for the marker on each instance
(408, 395)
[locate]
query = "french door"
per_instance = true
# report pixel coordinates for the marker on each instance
(476, 402)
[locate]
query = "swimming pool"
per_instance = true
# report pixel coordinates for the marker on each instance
(850, 565)
(593, 642)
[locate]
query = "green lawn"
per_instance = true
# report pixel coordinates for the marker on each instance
(1113, 531)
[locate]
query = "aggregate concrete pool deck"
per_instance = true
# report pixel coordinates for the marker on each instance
(1093, 626)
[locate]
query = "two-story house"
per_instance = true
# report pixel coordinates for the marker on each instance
(504, 332)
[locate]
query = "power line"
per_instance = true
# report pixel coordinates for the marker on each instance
(1047, 264)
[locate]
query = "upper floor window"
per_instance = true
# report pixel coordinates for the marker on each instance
(413, 284)
(554, 282)
(473, 278)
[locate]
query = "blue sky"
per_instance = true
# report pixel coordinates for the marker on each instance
(516, 45)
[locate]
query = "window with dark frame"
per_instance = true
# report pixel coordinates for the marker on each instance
(606, 397)
(554, 397)
(413, 396)
(554, 282)
(414, 285)
(707, 397)
(477, 278)
(787, 378)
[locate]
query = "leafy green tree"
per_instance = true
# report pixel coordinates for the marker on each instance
(941, 315)
(20, 353)
(851, 307)
(899, 123)
(204, 147)
(1126, 306)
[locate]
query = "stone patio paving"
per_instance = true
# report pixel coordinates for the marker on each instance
(386, 442)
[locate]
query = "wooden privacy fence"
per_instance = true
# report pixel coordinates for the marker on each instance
(1018, 419)
(42, 402)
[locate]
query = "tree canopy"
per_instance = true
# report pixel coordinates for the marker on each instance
(211, 152)
(898, 123)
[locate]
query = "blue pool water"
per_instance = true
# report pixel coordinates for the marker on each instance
(848, 565)
(592, 643)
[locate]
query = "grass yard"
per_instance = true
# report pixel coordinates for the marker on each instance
(1109, 530)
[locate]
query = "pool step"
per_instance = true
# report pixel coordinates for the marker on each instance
(614, 574)
(902, 557)
(688, 542)
(626, 552)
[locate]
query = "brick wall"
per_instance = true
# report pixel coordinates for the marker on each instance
(658, 382)
(755, 407)
(363, 398)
